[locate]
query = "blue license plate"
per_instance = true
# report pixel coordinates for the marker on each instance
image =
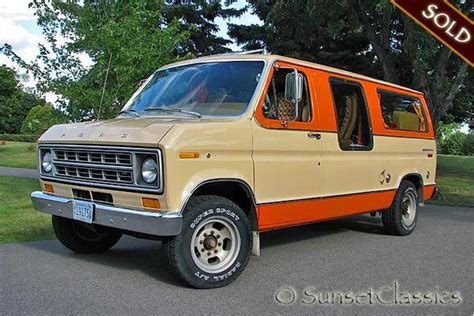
(83, 211)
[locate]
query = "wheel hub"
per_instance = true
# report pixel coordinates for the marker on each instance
(210, 242)
(215, 244)
(408, 208)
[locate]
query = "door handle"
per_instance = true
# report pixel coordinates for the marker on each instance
(314, 135)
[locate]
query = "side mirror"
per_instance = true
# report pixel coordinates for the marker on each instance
(294, 87)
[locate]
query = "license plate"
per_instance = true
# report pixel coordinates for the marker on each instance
(83, 211)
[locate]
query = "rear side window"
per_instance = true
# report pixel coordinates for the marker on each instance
(402, 112)
(352, 117)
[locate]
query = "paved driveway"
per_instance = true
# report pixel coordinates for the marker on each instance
(19, 172)
(342, 256)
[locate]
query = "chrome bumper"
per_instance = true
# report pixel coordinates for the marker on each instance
(153, 223)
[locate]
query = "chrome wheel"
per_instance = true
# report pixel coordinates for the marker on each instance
(215, 244)
(408, 208)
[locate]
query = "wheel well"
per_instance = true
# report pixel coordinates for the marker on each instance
(417, 180)
(237, 191)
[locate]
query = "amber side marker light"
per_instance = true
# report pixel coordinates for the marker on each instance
(48, 188)
(188, 154)
(153, 204)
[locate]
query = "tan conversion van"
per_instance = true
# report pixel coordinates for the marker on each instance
(211, 152)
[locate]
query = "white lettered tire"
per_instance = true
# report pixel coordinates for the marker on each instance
(401, 218)
(214, 245)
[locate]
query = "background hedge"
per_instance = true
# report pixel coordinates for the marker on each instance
(19, 138)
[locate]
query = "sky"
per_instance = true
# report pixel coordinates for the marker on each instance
(19, 29)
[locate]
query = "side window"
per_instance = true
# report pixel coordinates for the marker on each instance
(277, 107)
(402, 112)
(352, 119)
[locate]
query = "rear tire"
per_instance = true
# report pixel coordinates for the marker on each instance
(214, 245)
(400, 219)
(84, 238)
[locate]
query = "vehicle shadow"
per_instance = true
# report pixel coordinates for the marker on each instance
(363, 224)
(130, 254)
(146, 256)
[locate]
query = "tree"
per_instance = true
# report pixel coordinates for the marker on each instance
(301, 29)
(418, 60)
(14, 102)
(40, 118)
(198, 19)
(123, 47)
(366, 36)
(450, 138)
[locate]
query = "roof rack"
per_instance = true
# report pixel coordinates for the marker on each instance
(248, 52)
(245, 52)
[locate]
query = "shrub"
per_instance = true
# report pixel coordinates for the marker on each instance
(40, 118)
(450, 138)
(468, 146)
(19, 138)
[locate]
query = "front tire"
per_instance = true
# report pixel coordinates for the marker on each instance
(214, 245)
(84, 238)
(400, 219)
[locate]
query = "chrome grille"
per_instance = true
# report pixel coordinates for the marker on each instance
(101, 166)
(122, 159)
(95, 174)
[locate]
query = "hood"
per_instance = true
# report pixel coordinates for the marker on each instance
(120, 131)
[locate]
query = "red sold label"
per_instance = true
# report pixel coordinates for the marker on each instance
(445, 22)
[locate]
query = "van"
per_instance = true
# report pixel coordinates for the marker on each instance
(211, 152)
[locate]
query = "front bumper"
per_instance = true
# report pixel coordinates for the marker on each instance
(153, 223)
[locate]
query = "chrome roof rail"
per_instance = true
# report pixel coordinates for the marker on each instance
(245, 52)
(255, 51)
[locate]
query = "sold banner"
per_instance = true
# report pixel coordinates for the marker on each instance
(445, 22)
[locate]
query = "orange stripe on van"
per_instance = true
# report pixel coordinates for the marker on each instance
(428, 191)
(293, 213)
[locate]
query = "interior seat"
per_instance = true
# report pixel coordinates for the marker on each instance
(406, 121)
(349, 120)
(286, 109)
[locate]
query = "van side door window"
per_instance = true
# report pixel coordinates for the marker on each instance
(353, 127)
(277, 107)
(401, 112)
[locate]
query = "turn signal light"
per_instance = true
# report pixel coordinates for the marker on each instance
(48, 188)
(188, 154)
(151, 203)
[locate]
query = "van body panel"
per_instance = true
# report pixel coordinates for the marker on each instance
(286, 165)
(292, 213)
(225, 152)
(351, 182)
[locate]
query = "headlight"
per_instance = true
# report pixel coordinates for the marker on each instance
(46, 162)
(149, 170)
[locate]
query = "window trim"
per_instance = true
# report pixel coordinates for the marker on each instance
(427, 127)
(305, 83)
(292, 125)
(358, 84)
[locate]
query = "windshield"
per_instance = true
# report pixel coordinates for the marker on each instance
(216, 89)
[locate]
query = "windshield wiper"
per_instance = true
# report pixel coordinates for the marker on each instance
(195, 114)
(130, 112)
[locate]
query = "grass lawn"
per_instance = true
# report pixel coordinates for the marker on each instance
(455, 180)
(20, 155)
(18, 221)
